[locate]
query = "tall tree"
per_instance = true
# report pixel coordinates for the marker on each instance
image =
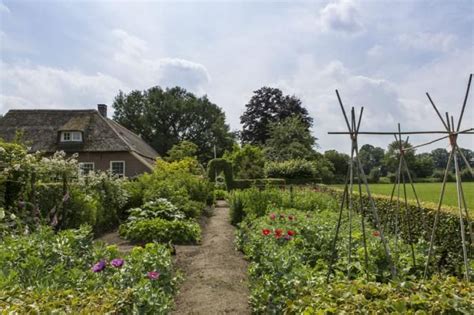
(424, 165)
(392, 157)
(289, 139)
(269, 105)
(340, 161)
(163, 118)
(371, 157)
(440, 158)
(248, 161)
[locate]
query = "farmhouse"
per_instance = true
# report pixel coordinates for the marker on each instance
(101, 143)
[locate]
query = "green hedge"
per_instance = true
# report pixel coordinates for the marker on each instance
(162, 231)
(448, 246)
(261, 182)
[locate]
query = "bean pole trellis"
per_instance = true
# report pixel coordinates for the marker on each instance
(451, 132)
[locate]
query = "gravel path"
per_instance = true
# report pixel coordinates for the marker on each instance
(215, 273)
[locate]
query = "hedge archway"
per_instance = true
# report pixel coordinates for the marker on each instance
(216, 166)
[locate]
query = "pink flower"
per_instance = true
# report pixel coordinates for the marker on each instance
(153, 275)
(98, 267)
(278, 233)
(272, 216)
(117, 262)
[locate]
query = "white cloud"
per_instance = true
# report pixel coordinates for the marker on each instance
(340, 16)
(375, 51)
(427, 41)
(47, 87)
(132, 63)
(4, 8)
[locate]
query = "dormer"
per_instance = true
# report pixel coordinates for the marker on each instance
(70, 136)
(72, 133)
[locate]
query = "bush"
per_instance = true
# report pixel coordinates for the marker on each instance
(264, 182)
(466, 176)
(220, 194)
(290, 169)
(374, 176)
(162, 231)
(237, 213)
(159, 208)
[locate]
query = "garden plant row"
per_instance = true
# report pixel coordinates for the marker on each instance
(50, 215)
(288, 239)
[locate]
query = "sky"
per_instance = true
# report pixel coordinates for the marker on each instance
(383, 55)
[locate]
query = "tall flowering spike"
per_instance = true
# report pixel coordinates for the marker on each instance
(117, 262)
(98, 267)
(153, 275)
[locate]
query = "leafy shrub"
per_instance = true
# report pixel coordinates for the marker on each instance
(220, 194)
(263, 182)
(237, 213)
(159, 208)
(290, 169)
(51, 273)
(162, 231)
(374, 176)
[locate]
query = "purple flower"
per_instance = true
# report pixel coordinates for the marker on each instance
(98, 267)
(288, 237)
(117, 262)
(153, 275)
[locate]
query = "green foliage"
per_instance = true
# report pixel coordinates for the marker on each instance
(182, 150)
(216, 166)
(371, 157)
(159, 208)
(261, 182)
(180, 182)
(340, 162)
(392, 156)
(46, 272)
(289, 252)
(165, 117)
(269, 105)
(374, 175)
(247, 161)
(290, 169)
(220, 194)
(289, 139)
(424, 165)
(162, 231)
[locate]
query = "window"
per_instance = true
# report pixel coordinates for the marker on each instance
(117, 168)
(67, 136)
(86, 167)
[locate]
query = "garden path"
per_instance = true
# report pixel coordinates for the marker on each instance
(215, 273)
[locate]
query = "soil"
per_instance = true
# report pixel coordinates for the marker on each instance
(215, 273)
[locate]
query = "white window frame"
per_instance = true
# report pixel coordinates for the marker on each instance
(81, 170)
(117, 161)
(73, 136)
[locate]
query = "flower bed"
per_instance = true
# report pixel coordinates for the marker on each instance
(65, 273)
(289, 252)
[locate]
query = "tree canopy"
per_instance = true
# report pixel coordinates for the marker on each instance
(247, 161)
(269, 105)
(289, 139)
(163, 118)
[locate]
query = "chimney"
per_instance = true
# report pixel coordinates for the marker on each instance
(102, 108)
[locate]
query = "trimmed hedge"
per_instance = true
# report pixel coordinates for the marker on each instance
(262, 182)
(216, 166)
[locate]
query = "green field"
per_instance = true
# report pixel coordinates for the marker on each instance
(428, 192)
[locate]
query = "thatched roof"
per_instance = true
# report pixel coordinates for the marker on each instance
(41, 128)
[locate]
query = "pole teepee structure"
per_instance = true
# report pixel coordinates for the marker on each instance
(455, 154)
(356, 169)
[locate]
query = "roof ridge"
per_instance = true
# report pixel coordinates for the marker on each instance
(113, 122)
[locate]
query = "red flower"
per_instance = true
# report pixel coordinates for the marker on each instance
(376, 233)
(291, 233)
(266, 232)
(290, 217)
(282, 216)
(278, 233)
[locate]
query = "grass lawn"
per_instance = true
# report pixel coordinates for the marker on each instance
(428, 192)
